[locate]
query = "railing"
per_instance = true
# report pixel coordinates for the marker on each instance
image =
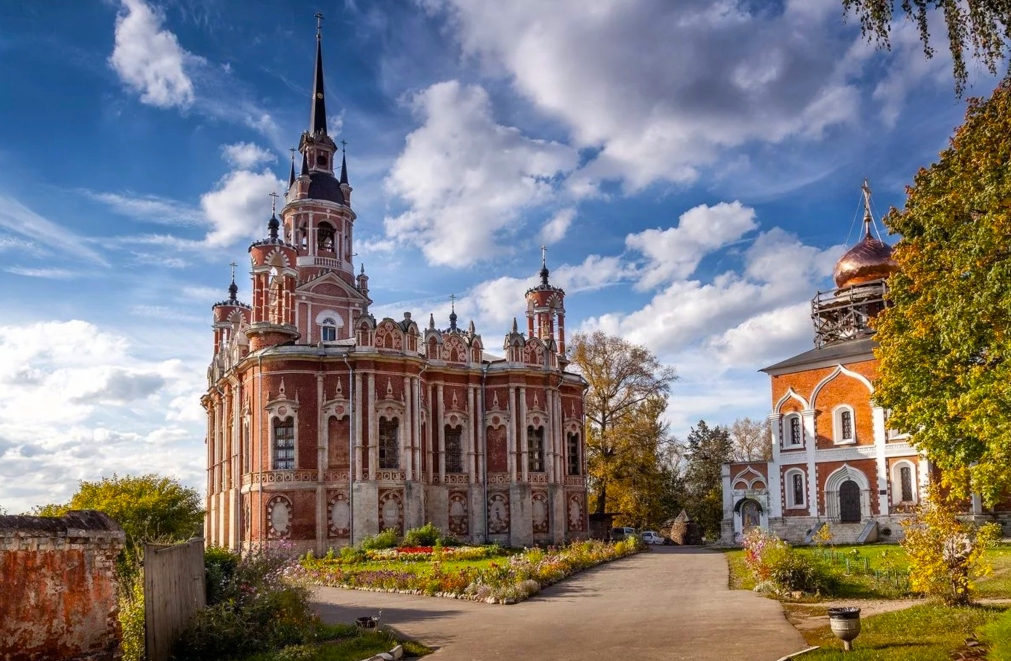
(845, 314)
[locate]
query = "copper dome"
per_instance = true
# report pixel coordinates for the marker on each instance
(866, 261)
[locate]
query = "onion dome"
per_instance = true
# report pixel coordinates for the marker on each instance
(869, 260)
(866, 261)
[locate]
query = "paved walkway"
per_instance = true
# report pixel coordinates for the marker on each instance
(668, 604)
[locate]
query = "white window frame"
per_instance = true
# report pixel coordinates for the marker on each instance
(788, 431)
(337, 325)
(837, 425)
(896, 474)
(788, 481)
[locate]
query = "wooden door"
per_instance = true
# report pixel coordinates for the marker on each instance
(849, 502)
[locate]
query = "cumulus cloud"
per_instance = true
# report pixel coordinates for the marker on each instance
(239, 206)
(555, 229)
(149, 59)
(661, 88)
(77, 402)
(466, 178)
(246, 155)
(675, 253)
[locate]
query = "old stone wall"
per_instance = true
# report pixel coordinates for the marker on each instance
(58, 579)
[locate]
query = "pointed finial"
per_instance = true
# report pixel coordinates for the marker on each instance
(291, 173)
(363, 269)
(866, 188)
(516, 327)
(452, 312)
(470, 327)
(344, 162)
(431, 321)
(233, 289)
(544, 265)
(319, 25)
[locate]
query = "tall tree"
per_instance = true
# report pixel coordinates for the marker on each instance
(945, 350)
(147, 507)
(622, 377)
(751, 440)
(980, 29)
(708, 449)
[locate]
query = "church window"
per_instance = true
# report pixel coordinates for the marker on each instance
(795, 437)
(795, 488)
(843, 425)
(846, 417)
(573, 442)
(906, 481)
(325, 236)
(389, 443)
(329, 330)
(454, 449)
(535, 449)
(321, 160)
(284, 443)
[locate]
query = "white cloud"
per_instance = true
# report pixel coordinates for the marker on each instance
(661, 89)
(555, 229)
(246, 155)
(149, 59)
(19, 219)
(46, 273)
(467, 178)
(77, 402)
(675, 253)
(239, 206)
(149, 208)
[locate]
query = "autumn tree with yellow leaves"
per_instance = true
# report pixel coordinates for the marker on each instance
(945, 344)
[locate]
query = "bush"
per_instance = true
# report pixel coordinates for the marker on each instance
(260, 608)
(387, 539)
(426, 535)
(945, 553)
(777, 568)
(219, 566)
(131, 617)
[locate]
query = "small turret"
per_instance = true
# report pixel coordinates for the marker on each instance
(546, 309)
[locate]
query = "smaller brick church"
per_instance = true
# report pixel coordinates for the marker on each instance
(834, 459)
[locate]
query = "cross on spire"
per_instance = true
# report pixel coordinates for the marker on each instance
(544, 255)
(344, 145)
(319, 25)
(292, 150)
(233, 265)
(273, 202)
(452, 302)
(868, 219)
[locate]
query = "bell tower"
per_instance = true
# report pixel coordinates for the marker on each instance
(546, 310)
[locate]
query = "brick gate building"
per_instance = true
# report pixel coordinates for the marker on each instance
(325, 424)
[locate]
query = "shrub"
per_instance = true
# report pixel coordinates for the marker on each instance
(131, 617)
(777, 568)
(387, 539)
(945, 553)
(219, 567)
(426, 535)
(260, 608)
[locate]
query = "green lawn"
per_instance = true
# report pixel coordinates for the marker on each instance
(997, 635)
(877, 571)
(922, 633)
(348, 643)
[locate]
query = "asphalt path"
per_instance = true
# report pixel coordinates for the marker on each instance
(670, 603)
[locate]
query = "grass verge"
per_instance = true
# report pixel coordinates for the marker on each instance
(997, 635)
(921, 633)
(343, 643)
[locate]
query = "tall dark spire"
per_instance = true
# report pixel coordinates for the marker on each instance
(305, 166)
(317, 118)
(344, 162)
(291, 174)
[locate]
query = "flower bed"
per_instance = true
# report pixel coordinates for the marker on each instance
(508, 580)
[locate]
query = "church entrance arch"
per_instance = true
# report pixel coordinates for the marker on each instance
(849, 502)
(751, 514)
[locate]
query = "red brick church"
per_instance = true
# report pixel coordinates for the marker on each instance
(325, 424)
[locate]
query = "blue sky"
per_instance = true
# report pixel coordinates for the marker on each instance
(693, 166)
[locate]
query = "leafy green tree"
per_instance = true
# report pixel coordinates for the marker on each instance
(150, 508)
(623, 377)
(945, 347)
(708, 449)
(980, 28)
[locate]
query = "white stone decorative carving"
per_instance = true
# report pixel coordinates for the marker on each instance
(279, 513)
(498, 513)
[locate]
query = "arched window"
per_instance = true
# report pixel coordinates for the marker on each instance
(284, 443)
(325, 237)
(795, 489)
(389, 443)
(903, 483)
(454, 449)
(535, 449)
(329, 330)
(906, 483)
(844, 425)
(574, 463)
(794, 430)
